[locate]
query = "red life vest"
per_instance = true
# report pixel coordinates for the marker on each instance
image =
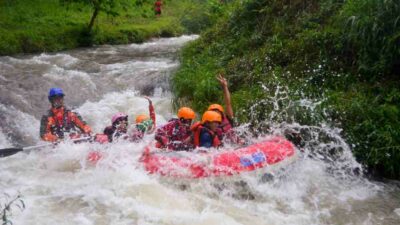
(60, 121)
(197, 128)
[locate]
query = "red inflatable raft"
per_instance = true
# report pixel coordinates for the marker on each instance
(217, 163)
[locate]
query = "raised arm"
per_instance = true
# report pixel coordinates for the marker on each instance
(151, 111)
(227, 95)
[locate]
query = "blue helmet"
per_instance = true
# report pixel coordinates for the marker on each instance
(55, 92)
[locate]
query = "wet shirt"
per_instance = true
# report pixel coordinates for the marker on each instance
(172, 135)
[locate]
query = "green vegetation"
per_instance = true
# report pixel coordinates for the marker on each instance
(344, 54)
(28, 26)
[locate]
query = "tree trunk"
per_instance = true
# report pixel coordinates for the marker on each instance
(95, 13)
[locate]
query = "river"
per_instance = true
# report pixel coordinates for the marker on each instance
(58, 186)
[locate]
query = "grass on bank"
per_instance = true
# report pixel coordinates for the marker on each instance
(28, 26)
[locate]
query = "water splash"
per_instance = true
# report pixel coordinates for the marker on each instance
(320, 187)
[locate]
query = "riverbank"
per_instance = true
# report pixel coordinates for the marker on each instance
(32, 26)
(331, 64)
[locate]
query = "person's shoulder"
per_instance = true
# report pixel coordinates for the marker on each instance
(172, 121)
(165, 125)
(45, 117)
(108, 129)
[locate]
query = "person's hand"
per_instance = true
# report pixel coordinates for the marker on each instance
(148, 99)
(50, 137)
(222, 80)
(87, 129)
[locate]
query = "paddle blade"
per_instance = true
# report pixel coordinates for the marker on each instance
(9, 151)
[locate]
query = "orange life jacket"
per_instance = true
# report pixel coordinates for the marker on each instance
(59, 121)
(197, 128)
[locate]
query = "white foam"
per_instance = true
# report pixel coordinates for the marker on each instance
(59, 59)
(31, 61)
(4, 142)
(156, 43)
(25, 123)
(72, 76)
(134, 67)
(397, 211)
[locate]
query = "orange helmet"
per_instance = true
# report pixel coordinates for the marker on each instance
(186, 113)
(142, 117)
(216, 107)
(211, 116)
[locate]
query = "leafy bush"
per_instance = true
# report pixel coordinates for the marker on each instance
(343, 54)
(372, 30)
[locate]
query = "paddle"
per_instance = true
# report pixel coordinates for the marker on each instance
(11, 151)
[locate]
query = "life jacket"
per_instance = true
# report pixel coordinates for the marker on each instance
(60, 124)
(197, 128)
